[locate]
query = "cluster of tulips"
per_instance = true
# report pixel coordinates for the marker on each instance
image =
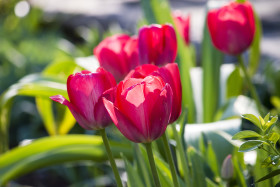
(138, 87)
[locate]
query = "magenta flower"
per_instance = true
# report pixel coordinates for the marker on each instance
(232, 27)
(157, 44)
(182, 23)
(171, 75)
(85, 91)
(118, 54)
(142, 108)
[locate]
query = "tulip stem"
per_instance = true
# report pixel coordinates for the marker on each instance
(111, 159)
(170, 160)
(182, 155)
(251, 86)
(152, 163)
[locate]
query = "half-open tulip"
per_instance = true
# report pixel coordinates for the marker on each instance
(118, 54)
(85, 91)
(170, 74)
(232, 27)
(157, 44)
(142, 108)
(182, 22)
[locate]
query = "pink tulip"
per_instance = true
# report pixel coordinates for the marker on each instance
(232, 27)
(157, 44)
(182, 23)
(171, 75)
(85, 91)
(142, 108)
(118, 54)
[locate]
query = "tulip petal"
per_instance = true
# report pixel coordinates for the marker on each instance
(79, 117)
(125, 126)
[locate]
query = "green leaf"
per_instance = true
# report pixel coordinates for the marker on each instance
(270, 161)
(262, 121)
(234, 83)
(212, 160)
(271, 122)
(44, 106)
(250, 145)
(253, 119)
(266, 118)
(273, 137)
(211, 63)
(268, 176)
(56, 150)
(246, 134)
(198, 175)
(254, 53)
(132, 174)
(34, 85)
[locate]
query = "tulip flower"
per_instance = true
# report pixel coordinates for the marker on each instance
(232, 27)
(157, 44)
(118, 54)
(142, 108)
(171, 75)
(85, 91)
(182, 23)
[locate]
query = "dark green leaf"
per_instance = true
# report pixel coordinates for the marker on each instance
(234, 83)
(270, 161)
(246, 134)
(270, 175)
(250, 145)
(253, 119)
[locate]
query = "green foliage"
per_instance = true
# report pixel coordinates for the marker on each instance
(56, 150)
(265, 141)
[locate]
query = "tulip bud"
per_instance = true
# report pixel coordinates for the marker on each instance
(171, 75)
(142, 108)
(85, 91)
(227, 168)
(118, 54)
(182, 23)
(232, 27)
(157, 44)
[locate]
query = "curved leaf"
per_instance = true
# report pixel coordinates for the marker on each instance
(270, 175)
(246, 134)
(250, 145)
(56, 150)
(253, 119)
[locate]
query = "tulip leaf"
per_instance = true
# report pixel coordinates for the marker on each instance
(270, 175)
(254, 56)
(246, 134)
(34, 85)
(44, 106)
(250, 145)
(132, 174)
(56, 150)
(234, 83)
(211, 63)
(198, 174)
(253, 119)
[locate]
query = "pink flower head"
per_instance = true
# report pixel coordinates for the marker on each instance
(171, 75)
(118, 54)
(232, 27)
(157, 44)
(182, 23)
(85, 91)
(142, 108)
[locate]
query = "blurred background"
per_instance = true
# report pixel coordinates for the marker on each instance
(35, 33)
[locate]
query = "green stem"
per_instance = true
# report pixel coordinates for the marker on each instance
(111, 159)
(170, 160)
(251, 86)
(152, 163)
(182, 155)
(143, 166)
